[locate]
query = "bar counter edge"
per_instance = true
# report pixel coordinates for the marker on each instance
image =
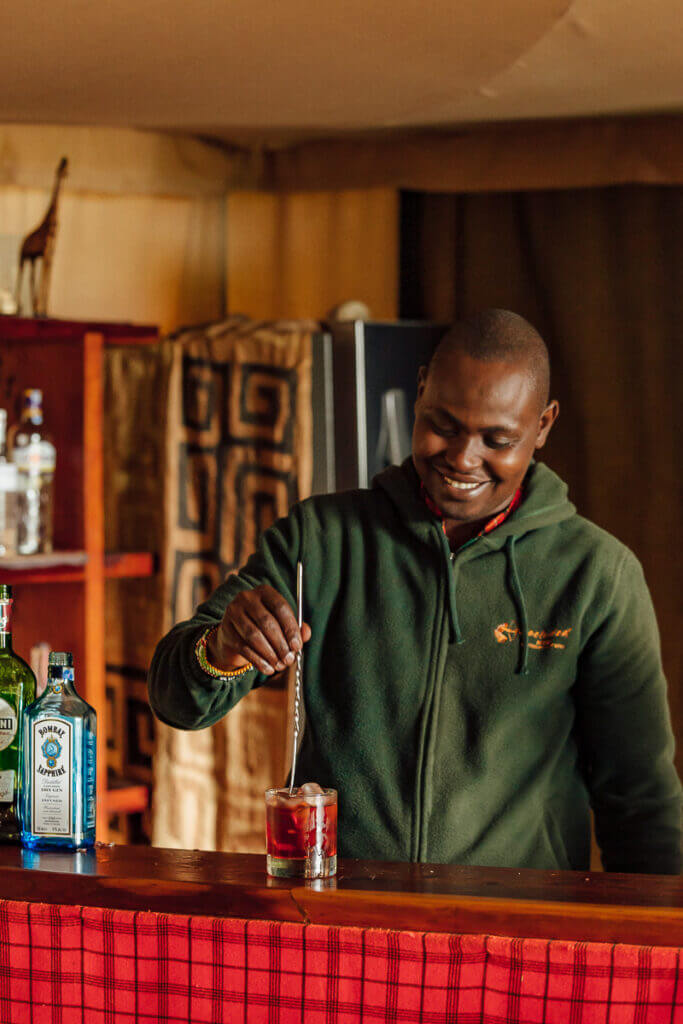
(639, 909)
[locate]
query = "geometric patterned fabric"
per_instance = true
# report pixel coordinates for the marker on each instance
(238, 455)
(85, 965)
(208, 442)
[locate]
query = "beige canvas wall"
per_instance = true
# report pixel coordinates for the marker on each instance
(298, 254)
(141, 221)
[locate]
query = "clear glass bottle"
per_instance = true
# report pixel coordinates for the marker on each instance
(59, 781)
(8, 495)
(17, 689)
(34, 455)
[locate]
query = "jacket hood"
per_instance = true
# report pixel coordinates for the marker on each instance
(544, 503)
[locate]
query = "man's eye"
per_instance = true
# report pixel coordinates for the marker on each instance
(442, 430)
(494, 442)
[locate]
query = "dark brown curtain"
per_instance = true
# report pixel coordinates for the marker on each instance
(600, 273)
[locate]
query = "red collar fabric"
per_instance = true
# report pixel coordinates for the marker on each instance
(492, 523)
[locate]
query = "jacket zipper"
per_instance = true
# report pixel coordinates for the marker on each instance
(418, 852)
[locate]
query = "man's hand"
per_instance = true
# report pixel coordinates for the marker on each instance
(260, 627)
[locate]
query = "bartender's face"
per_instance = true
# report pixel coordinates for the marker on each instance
(477, 425)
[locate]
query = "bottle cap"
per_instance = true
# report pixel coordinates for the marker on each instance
(32, 405)
(5, 592)
(63, 659)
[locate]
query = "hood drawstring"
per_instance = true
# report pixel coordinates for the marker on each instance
(456, 632)
(518, 596)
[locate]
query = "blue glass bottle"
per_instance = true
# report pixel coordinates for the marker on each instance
(60, 743)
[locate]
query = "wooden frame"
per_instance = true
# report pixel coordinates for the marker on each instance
(60, 598)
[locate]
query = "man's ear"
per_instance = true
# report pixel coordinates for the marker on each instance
(421, 380)
(548, 417)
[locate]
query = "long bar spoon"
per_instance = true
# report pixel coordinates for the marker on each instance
(299, 670)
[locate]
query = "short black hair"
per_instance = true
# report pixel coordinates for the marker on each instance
(497, 335)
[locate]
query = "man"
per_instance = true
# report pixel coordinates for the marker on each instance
(482, 664)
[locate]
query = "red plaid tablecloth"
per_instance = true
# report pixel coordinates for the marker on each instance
(64, 964)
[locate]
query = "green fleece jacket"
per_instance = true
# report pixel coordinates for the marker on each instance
(470, 708)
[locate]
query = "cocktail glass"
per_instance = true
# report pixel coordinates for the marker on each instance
(301, 832)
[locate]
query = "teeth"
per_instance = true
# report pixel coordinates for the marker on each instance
(461, 486)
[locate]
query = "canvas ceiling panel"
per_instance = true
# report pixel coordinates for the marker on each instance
(600, 58)
(255, 63)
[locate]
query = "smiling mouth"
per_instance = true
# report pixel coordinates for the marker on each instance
(460, 485)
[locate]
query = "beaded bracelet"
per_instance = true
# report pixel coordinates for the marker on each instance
(205, 664)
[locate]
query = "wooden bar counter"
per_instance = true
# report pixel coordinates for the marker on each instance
(132, 935)
(639, 909)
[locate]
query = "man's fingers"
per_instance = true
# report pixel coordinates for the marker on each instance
(265, 629)
(269, 620)
(251, 634)
(235, 641)
(257, 662)
(287, 622)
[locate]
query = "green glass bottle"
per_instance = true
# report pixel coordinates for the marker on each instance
(17, 689)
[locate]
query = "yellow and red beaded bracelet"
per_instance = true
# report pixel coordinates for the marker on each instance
(205, 664)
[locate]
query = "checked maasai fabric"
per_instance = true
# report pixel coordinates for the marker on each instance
(78, 965)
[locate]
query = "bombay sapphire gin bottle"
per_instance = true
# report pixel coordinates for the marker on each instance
(58, 797)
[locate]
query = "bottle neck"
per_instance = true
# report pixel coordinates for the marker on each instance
(6, 625)
(32, 415)
(60, 681)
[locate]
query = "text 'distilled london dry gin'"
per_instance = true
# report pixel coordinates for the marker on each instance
(59, 784)
(17, 689)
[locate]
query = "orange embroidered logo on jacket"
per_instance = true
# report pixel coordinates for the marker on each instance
(539, 639)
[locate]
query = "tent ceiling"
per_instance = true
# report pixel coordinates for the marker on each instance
(254, 70)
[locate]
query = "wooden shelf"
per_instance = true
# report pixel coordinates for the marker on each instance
(49, 331)
(125, 796)
(24, 563)
(129, 565)
(56, 567)
(69, 567)
(65, 359)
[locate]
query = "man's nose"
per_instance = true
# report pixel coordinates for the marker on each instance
(463, 454)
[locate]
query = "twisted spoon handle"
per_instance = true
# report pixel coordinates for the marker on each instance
(297, 680)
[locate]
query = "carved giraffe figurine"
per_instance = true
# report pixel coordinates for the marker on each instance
(39, 245)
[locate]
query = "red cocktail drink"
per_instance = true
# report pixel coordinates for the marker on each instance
(301, 832)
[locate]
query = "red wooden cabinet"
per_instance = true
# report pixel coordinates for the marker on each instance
(60, 598)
